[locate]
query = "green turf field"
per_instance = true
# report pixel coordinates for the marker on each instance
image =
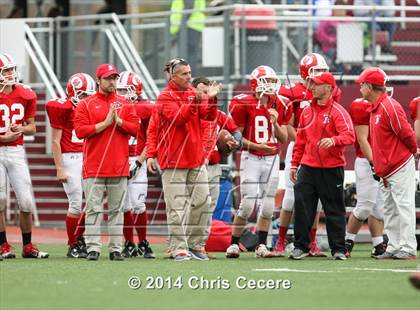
(62, 283)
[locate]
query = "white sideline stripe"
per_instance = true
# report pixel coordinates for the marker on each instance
(335, 270)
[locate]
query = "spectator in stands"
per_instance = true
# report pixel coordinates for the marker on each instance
(390, 27)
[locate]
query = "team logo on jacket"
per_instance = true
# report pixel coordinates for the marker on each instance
(326, 119)
(377, 119)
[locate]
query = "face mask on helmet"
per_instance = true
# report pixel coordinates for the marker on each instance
(8, 73)
(264, 81)
(80, 86)
(129, 86)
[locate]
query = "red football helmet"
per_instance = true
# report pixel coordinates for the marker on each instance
(131, 83)
(80, 84)
(311, 65)
(264, 80)
(6, 62)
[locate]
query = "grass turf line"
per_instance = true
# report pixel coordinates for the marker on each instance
(63, 283)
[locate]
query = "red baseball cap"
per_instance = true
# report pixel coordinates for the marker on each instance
(106, 70)
(373, 75)
(324, 78)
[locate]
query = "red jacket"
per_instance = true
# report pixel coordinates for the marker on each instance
(211, 131)
(393, 140)
(178, 118)
(105, 154)
(318, 122)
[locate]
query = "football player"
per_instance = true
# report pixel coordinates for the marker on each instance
(17, 118)
(68, 153)
(370, 202)
(130, 86)
(262, 117)
(300, 96)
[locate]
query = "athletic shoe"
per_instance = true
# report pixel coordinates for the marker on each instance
(404, 255)
(31, 251)
(6, 251)
(82, 245)
(145, 250)
(279, 248)
(386, 255)
(298, 254)
(378, 250)
(262, 252)
(93, 255)
(315, 251)
(130, 249)
(182, 256)
(349, 244)
(75, 252)
(339, 256)
(233, 251)
(199, 254)
(116, 256)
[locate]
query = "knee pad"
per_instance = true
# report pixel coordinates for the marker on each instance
(75, 208)
(26, 204)
(378, 212)
(3, 202)
(245, 208)
(288, 201)
(362, 211)
(267, 210)
(138, 209)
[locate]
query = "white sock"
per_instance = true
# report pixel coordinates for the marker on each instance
(350, 236)
(377, 240)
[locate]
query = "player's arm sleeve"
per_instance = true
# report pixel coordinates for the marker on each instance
(82, 125)
(56, 117)
(30, 110)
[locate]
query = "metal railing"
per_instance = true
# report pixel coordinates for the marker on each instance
(105, 40)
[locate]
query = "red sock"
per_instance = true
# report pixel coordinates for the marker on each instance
(140, 223)
(71, 225)
(128, 226)
(312, 235)
(282, 234)
(80, 226)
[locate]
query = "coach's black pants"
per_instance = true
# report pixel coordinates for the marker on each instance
(327, 185)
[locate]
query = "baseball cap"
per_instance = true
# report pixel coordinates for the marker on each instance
(106, 70)
(324, 78)
(373, 75)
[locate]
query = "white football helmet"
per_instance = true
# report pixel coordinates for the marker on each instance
(6, 62)
(264, 80)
